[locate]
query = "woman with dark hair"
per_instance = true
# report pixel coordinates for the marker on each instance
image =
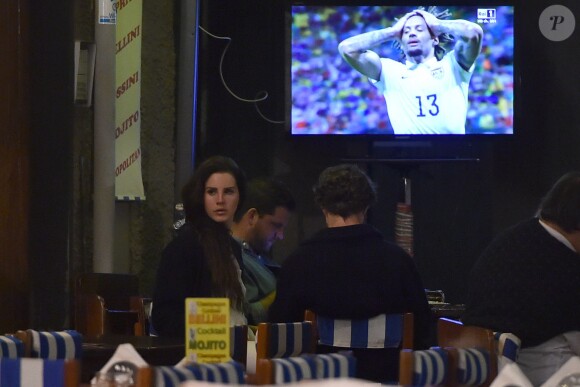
(203, 260)
(349, 271)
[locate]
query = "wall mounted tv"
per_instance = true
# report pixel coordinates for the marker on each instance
(465, 87)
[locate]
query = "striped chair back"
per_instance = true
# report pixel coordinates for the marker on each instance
(335, 365)
(239, 343)
(508, 347)
(305, 367)
(226, 373)
(423, 368)
(30, 372)
(276, 340)
(66, 344)
(11, 347)
(473, 367)
(382, 331)
(293, 369)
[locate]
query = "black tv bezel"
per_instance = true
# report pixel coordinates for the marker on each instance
(455, 139)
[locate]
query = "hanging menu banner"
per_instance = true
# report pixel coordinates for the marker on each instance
(128, 179)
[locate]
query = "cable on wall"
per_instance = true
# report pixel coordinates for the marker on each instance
(260, 95)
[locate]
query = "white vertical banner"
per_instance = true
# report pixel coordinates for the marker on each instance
(128, 180)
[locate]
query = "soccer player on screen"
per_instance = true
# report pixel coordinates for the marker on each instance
(428, 93)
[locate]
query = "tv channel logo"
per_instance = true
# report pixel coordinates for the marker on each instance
(486, 15)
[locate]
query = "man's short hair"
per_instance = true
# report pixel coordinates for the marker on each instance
(561, 204)
(344, 190)
(265, 195)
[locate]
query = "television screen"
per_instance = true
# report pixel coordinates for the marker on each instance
(401, 70)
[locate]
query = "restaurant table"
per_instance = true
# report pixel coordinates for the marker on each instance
(154, 350)
(443, 309)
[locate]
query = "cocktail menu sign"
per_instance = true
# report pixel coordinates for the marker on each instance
(207, 330)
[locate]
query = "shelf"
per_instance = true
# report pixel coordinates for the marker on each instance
(410, 161)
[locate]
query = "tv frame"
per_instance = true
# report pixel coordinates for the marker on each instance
(389, 136)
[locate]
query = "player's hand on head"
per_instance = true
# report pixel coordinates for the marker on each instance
(400, 24)
(433, 23)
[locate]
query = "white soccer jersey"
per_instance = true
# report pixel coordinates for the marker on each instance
(428, 98)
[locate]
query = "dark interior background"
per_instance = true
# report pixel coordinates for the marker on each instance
(46, 182)
(458, 206)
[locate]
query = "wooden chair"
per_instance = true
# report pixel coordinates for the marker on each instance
(428, 367)
(276, 340)
(375, 342)
(107, 303)
(383, 331)
(472, 352)
(35, 372)
(280, 340)
(239, 343)
(165, 376)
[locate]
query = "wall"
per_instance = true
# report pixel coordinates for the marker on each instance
(51, 120)
(141, 228)
(14, 166)
(60, 244)
(151, 221)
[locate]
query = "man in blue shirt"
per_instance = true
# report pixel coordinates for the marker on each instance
(264, 215)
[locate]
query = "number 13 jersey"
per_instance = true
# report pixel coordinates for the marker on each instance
(425, 98)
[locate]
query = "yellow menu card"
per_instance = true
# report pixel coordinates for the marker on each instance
(207, 330)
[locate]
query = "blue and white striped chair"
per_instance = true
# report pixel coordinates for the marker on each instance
(164, 376)
(30, 372)
(508, 348)
(375, 341)
(473, 366)
(277, 340)
(293, 369)
(239, 343)
(11, 347)
(67, 344)
(423, 367)
(382, 331)
(305, 367)
(335, 365)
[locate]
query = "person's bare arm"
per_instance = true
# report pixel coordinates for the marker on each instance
(468, 37)
(356, 50)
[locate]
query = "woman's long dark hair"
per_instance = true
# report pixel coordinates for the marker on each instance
(215, 237)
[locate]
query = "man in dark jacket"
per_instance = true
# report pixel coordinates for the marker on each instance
(527, 282)
(349, 271)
